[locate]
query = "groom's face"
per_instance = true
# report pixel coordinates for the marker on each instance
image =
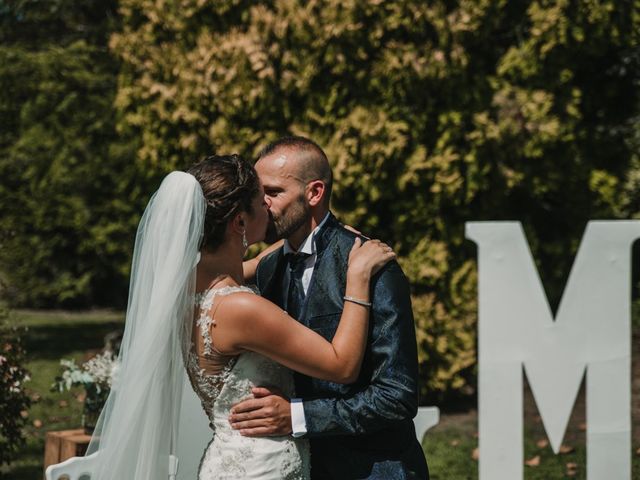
(284, 194)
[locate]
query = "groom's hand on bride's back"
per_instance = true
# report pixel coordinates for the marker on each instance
(268, 413)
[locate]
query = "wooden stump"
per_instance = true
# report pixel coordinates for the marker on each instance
(62, 445)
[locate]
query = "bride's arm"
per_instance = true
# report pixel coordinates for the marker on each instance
(250, 266)
(249, 322)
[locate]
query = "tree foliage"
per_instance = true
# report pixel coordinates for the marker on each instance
(67, 191)
(431, 113)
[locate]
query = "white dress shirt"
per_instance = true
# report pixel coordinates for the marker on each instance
(298, 422)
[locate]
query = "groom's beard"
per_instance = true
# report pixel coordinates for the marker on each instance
(283, 226)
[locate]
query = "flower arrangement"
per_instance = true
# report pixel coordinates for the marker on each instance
(97, 375)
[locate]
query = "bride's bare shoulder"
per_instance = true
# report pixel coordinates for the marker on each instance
(246, 306)
(248, 321)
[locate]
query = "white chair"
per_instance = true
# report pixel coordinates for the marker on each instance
(426, 418)
(80, 468)
(75, 468)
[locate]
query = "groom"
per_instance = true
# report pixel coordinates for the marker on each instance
(362, 430)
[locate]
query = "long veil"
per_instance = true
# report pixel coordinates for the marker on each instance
(137, 429)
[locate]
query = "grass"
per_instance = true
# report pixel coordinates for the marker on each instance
(449, 454)
(449, 446)
(51, 336)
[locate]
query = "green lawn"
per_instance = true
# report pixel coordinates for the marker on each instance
(449, 446)
(449, 454)
(50, 337)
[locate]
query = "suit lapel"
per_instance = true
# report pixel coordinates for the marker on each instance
(317, 300)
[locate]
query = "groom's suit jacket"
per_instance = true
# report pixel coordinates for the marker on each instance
(365, 429)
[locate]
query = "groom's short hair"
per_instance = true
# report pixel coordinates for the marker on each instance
(314, 165)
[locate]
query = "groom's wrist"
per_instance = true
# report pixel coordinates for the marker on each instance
(298, 422)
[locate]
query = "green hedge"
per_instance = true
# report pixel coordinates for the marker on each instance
(432, 114)
(69, 195)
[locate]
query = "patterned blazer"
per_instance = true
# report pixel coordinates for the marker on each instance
(365, 429)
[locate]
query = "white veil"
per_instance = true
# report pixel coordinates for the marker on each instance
(137, 429)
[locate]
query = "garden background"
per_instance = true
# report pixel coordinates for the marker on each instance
(431, 113)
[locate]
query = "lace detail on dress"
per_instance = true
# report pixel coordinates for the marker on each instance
(230, 455)
(204, 300)
(206, 385)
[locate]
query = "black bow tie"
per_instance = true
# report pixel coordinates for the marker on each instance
(296, 260)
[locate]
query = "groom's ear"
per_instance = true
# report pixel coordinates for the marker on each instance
(315, 192)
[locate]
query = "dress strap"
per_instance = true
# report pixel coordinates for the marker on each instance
(204, 300)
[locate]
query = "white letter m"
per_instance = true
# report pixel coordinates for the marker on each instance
(591, 331)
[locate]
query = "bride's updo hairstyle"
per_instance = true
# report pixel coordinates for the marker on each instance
(229, 183)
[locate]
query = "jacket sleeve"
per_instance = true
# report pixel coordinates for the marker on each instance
(390, 394)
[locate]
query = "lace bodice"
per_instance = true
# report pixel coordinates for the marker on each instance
(206, 384)
(230, 455)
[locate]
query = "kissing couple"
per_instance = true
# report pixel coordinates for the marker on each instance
(312, 374)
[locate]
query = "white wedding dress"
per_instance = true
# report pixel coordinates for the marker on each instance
(229, 455)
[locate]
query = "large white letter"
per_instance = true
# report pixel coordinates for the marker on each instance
(592, 331)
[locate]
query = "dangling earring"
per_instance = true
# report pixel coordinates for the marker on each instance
(245, 244)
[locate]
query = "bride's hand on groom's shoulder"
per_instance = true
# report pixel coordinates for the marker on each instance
(369, 257)
(355, 230)
(267, 414)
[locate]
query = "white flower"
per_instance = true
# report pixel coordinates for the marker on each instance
(115, 369)
(98, 371)
(102, 368)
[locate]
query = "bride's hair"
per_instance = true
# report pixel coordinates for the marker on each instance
(229, 184)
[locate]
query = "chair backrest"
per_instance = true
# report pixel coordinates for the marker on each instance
(75, 468)
(426, 418)
(81, 468)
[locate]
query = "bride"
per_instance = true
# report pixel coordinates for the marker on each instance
(190, 245)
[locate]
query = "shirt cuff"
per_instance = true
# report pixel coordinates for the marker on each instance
(298, 422)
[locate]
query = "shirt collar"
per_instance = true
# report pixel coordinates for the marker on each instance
(309, 244)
